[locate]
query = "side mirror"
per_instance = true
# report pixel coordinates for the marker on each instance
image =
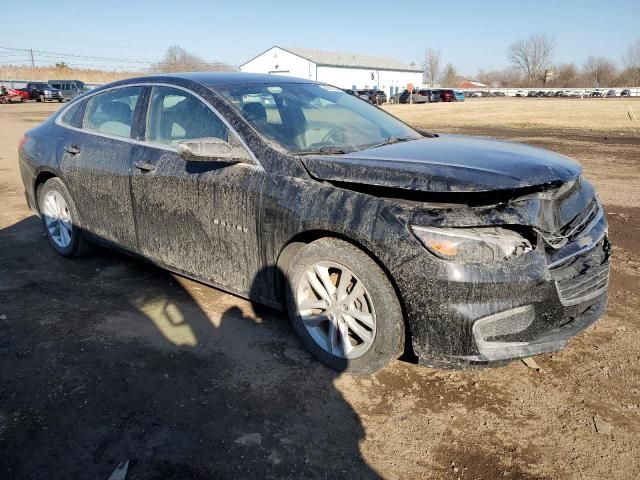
(212, 150)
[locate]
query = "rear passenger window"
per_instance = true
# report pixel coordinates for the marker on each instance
(73, 115)
(112, 112)
(174, 115)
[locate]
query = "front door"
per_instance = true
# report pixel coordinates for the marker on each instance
(197, 217)
(96, 165)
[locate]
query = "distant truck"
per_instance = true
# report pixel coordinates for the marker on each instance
(41, 92)
(69, 88)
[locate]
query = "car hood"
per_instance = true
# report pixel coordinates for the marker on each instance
(448, 163)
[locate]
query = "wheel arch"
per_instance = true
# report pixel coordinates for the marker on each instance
(40, 179)
(297, 242)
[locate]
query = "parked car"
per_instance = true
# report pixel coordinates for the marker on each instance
(41, 92)
(364, 94)
(395, 98)
(377, 97)
(366, 231)
(625, 93)
(611, 93)
(355, 93)
(459, 96)
(422, 95)
(404, 97)
(69, 88)
(532, 93)
(596, 93)
(433, 96)
(521, 93)
(380, 97)
(24, 95)
(10, 95)
(447, 96)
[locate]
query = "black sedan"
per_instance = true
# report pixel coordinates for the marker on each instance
(376, 238)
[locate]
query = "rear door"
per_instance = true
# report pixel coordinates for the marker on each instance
(96, 164)
(198, 217)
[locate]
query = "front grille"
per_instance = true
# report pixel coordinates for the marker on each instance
(583, 276)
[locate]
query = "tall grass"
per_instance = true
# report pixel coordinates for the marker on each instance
(23, 72)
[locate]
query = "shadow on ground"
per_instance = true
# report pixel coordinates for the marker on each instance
(108, 358)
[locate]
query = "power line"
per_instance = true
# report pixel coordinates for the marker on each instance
(63, 55)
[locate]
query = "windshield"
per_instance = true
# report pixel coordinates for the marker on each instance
(310, 118)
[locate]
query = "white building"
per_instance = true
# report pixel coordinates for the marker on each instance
(344, 70)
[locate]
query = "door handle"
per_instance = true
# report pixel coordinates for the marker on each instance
(72, 150)
(144, 166)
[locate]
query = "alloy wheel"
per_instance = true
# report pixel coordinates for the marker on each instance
(57, 217)
(336, 310)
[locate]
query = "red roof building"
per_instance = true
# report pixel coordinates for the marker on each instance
(471, 84)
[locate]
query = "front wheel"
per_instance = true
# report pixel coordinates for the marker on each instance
(60, 219)
(343, 307)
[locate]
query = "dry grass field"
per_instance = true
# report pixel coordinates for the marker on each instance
(91, 374)
(589, 115)
(12, 72)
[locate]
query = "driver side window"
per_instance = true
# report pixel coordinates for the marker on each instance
(174, 115)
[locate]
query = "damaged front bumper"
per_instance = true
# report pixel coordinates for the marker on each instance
(500, 312)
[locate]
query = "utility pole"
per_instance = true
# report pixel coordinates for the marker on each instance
(33, 64)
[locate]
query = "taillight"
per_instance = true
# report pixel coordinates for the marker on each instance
(23, 140)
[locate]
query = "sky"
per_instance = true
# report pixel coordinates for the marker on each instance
(471, 35)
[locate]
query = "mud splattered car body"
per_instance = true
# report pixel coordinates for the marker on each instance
(494, 250)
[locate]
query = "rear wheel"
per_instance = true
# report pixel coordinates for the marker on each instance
(343, 307)
(60, 219)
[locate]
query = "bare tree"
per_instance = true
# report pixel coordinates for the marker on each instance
(631, 61)
(599, 70)
(177, 59)
(509, 77)
(431, 66)
(532, 54)
(449, 77)
(566, 75)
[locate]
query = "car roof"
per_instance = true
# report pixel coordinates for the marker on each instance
(230, 78)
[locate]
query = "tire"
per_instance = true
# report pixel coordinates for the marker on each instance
(382, 337)
(42, 99)
(72, 244)
(60, 100)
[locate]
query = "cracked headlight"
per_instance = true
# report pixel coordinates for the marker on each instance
(473, 244)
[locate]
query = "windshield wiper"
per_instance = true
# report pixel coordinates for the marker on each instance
(390, 140)
(327, 149)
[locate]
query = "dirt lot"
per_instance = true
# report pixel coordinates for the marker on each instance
(108, 358)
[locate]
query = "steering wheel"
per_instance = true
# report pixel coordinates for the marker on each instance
(330, 135)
